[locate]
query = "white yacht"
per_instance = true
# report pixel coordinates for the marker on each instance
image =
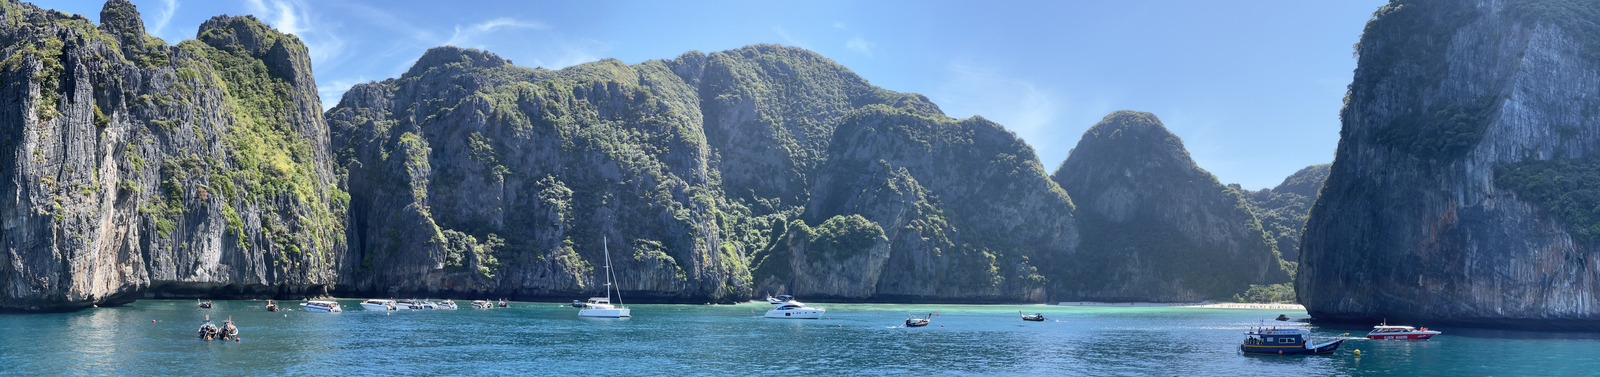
(601, 306)
(378, 305)
(784, 306)
(321, 306)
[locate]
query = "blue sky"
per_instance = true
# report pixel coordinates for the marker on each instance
(1253, 87)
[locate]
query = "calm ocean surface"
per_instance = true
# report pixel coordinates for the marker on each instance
(858, 339)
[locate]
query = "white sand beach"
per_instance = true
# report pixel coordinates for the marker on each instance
(1200, 305)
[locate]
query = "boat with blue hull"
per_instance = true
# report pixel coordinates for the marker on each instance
(1275, 341)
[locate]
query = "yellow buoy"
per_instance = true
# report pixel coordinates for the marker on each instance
(1358, 352)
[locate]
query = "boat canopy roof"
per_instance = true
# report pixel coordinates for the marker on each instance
(1282, 332)
(322, 302)
(783, 297)
(1394, 327)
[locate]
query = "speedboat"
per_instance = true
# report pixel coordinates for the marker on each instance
(378, 305)
(1036, 317)
(482, 304)
(786, 307)
(601, 306)
(205, 304)
(445, 305)
(408, 304)
(321, 306)
(1386, 332)
(919, 322)
(1275, 341)
(503, 303)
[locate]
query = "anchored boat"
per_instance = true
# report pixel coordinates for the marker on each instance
(919, 322)
(1273, 341)
(1036, 317)
(321, 306)
(601, 307)
(787, 307)
(381, 305)
(1386, 332)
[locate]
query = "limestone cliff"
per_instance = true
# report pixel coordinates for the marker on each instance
(472, 175)
(1155, 226)
(133, 165)
(1446, 202)
(958, 210)
(1282, 210)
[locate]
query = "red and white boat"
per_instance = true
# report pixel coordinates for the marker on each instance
(1385, 332)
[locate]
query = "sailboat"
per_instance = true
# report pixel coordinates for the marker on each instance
(603, 308)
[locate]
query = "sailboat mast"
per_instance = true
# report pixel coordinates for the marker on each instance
(603, 242)
(611, 277)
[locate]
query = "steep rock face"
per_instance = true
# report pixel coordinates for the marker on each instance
(959, 210)
(1156, 227)
(1428, 213)
(1282, 210)
(134, 165)
(472, 175)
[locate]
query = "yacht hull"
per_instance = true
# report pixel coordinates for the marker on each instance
(606, 313)
(802, 313)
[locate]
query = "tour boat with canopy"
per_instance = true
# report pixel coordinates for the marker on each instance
(1290, 341)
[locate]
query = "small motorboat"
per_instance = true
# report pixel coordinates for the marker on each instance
(503, 303)
(272, 306)
(919, 322)
(1386, 332)
(407, 304)
(322, 306)
(209, 331)
(1283, 317)
(1275, 341)
(205, 304)
(482, 304)
(1036, 317)
(379, 305)
(228, 331)
(786, 307)
(445, 305)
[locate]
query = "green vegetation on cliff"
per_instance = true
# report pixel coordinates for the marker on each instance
(1282, 210)
(1569, 189)
(1154, 225)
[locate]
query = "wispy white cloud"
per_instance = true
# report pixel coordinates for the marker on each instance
(574, 53)
(168, 8)
(296, 17)
(468, 36)
(332, 91)
(1037, 114)
(789, 39)
(839, 25)
(859, 44)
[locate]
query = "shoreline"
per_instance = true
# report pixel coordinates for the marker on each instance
(1195, 305)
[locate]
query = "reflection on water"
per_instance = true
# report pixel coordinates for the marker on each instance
(548, 338)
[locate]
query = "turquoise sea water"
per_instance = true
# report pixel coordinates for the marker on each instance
(856, 339)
